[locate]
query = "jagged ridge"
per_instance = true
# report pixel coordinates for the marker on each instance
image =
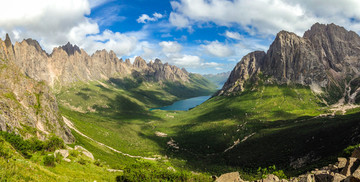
(326, 58)
(69, 64)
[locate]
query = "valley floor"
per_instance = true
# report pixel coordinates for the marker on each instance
(275, 125)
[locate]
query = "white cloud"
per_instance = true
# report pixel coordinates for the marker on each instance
(187, 61)
(266, 17)
(233, 35)
(218, 49)
(158, 15)
(56, 22)
(144, 18)
(170, 47)
(179, 20)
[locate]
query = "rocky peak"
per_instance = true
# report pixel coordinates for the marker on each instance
(8, 41)
(70, 49)
(245, 69)
(128, 63)
(35, 44)
(140, 63)
(184, 70)
(158, 61)
(323, 59)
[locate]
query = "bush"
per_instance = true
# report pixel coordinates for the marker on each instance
(271, 170)
(36, 144)
(26, 147)
(49, 160)
(98, 163)
(74, 153)
(147, 171)
(82, 161)
(23, 146)
(54, 143)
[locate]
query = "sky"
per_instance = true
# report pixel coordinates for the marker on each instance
(203, 36)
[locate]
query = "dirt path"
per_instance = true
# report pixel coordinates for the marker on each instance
(70, 125)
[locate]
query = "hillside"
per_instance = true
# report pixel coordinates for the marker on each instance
(27, 107)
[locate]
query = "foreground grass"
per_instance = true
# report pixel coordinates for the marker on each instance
(15, 167)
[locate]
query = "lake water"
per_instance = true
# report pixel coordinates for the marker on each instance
(184, 105)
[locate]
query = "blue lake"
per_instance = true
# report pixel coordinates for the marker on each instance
(184, 105)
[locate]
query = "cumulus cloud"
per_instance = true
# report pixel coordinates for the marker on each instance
(170, 47)
(144, 18)
(218, 49)
(266, 17)
(56, 22)
(179, 20)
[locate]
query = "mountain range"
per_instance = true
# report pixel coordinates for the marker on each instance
(294, 106)
(68, 64)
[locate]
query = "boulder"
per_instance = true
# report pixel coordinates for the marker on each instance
(230, 177)
(351, 179)
(342, 162)
(306, 178)
(84, 151)
(324, 177)
(338, 177)
(270, 178)
(351, 165)
(356, 174)
(63, 152)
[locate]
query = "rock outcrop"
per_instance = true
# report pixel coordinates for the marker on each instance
(68, 64)
(326, 58)
(27, 107)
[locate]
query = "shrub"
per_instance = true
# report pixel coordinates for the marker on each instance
(49, 160)
(54, 143)
(82, 161)
(271, 170)
(147, 171)
(36, 144)
(98, 163)
(74, 153)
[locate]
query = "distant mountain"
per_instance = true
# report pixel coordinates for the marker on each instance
(69, 64)
(218, 79)
(326, 58)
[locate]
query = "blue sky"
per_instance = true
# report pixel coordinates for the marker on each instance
(204, 36)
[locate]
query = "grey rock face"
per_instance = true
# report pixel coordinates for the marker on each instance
(326, 56)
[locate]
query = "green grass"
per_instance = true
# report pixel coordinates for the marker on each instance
(281, 120)
(14, 167)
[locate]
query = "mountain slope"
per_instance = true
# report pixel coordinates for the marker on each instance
(326, 58)
(27, 107)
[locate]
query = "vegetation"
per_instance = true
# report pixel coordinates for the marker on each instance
(269, 124)
(43, 166)
(150, 171)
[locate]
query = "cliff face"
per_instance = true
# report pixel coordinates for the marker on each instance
(326, 58)
(27, 107)
(69, 64)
